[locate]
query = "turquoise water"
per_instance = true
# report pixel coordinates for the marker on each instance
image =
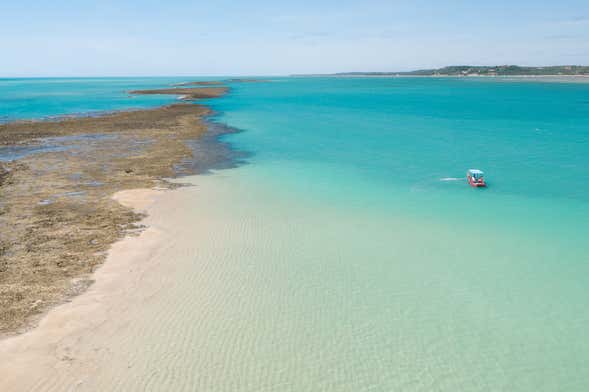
(404, 145)
(433, 285)
(47, 97)
(532, 138)
(350, 254)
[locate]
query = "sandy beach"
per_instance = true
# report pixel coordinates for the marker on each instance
(57, 217)
(96, 219)
(153, 288)
(46, 358)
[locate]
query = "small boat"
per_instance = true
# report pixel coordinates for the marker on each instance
(475, 178)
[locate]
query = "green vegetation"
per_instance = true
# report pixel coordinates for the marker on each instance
(499, 70)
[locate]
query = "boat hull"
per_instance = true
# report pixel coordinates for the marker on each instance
(476, 184)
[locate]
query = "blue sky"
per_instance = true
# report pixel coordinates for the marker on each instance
(177, 37)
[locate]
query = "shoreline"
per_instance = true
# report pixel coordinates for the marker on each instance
(546, 78)
(57, 199)
(31, 358)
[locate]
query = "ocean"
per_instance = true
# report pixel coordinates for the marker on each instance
(350, 254)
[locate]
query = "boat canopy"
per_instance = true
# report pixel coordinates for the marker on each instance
(476, 173)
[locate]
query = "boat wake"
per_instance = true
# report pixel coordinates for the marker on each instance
(451, 179)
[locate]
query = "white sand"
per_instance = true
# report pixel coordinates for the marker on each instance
(71, 340)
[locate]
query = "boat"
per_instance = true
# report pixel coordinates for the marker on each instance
(476, 178)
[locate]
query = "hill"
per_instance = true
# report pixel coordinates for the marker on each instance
(474, 70)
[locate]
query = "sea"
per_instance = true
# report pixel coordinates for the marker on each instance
(349, 253)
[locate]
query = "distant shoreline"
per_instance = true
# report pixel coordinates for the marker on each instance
(501, 71)
(369, 75)
(545, 78)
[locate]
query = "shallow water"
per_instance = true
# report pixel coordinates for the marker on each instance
(350, 254)
(400, 280)
(11, 153)
(50, 144)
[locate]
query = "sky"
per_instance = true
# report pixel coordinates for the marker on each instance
(262, 37)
